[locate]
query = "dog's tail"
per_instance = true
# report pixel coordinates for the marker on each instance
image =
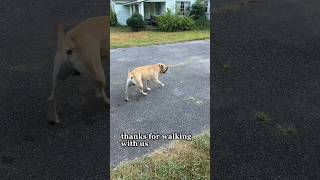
(129, 74)
(60, 37)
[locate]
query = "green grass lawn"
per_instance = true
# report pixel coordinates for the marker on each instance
(122, 37)
(184, 160)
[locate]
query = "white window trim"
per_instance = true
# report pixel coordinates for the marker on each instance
(184, 8)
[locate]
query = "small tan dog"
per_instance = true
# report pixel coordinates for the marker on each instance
(82, 50)
(141, 74)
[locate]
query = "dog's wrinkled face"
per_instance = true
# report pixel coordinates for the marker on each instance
(163, 68)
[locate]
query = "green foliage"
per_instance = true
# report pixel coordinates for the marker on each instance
(198, 15)
(135, 22)
(202, 142)
(202, 23)
(170, 22)
(263, 117)
(183, 160)
(114, 19)
(198, 10)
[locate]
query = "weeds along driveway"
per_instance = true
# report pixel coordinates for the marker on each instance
(123, 37)
(182, 105)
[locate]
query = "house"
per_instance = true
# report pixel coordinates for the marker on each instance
(147, 8)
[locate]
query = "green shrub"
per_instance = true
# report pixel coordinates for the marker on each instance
(197, 10)
(198, 15)
(170, 22)
(135, 22)
(114, 19)
(185, 23)
(202, 23)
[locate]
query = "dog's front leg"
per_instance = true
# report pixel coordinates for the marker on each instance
(61, 71)
(156, 79)
(159, 82)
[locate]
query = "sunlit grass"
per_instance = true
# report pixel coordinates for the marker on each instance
(184, 160)
(122, 37)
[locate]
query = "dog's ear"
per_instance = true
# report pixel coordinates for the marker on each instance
(161, 66)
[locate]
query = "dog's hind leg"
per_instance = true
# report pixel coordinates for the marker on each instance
(61, 71)
(100, 83)
(126, 96)
(95, 71)
(52, 101)
(147, 86)
(100, 89)
(140, 84)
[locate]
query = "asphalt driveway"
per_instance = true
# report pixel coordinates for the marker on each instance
(266, 59)
(29, 147)
(181, 106)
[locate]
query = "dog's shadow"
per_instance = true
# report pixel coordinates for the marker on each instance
(136, 96)
(91, 108)
(80, 103)
(85, 111)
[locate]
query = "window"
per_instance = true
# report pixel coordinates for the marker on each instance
(158, 8)
(183, 7)
(206, 5)
(135, 8)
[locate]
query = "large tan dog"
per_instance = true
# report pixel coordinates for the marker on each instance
(82, 50)
(145, 73)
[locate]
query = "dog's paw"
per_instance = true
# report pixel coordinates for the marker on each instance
(54, 120)
(106, 100)
(145, 93)
(148, 89)
(162, 84)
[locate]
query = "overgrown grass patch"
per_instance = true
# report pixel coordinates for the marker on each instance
(226, 67)
(122, 37)
(285, 131)
(183, 160)
(263, 117)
